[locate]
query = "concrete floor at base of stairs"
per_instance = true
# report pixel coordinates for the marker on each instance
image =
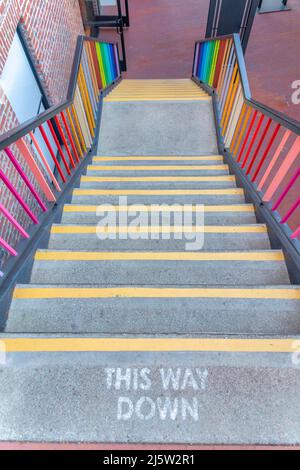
(163, 128)
(220, 399)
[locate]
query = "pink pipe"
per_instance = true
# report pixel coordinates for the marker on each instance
(25, 178)
(7, 247)
(13, 221)
(18, 197)
(44, 160)
(290, 212)
(286, 190)
(297, 233)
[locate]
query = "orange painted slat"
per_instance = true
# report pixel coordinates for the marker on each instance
(229, 94)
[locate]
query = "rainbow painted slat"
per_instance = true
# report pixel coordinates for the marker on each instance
(267, 152)
(69, 133)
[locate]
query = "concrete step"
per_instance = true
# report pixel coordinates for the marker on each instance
(140, 171)
(242, 214)
(159, 160)
(160, 268)
(159, 196)
(155, 310)
(238, 390)
(171, 127)
(167, 237)
(153, 182)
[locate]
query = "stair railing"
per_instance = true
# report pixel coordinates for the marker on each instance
(45, 152)
(262, 145)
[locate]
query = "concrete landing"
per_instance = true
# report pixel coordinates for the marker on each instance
(141, 397)
(158, 128)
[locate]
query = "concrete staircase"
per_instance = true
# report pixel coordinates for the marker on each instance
(130, 339)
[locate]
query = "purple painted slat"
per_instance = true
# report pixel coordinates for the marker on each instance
(19, 198)
(7, 247)
(290, 212)
(24, 177)
(13, 221)
(286, 190)
(196, 60)
(117, 60)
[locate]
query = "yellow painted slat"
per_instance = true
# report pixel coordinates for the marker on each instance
(262, 256)
(148, 292)
(29, 344)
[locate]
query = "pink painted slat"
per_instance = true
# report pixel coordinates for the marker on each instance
(247, 136)
(22, 146)
(64, 120)
(7, 247)
(284, 168)
(279, 149)
(13, 221)
(286, 190)
(259, 124)
(261, 141)
(268, 148)
(44, 160)
(296, 234)
(290, 212)
(19, 198)
(24, 177)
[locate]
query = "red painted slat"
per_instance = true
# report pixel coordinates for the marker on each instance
(64, 141)
(70, 136)
(44, 135)
(61, 153)
(261, 141)
(263, 158)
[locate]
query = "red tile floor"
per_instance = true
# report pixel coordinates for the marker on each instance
(160, 44)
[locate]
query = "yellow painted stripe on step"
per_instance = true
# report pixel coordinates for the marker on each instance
(152, 293)
(157, 167)
(30, 344)
(77, 208)
(157, 158)
(157, 95)
(173, 98)
(158, 192)
(159, 256)
(153, 179)
(93, 229)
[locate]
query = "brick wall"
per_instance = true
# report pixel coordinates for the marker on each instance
(51, 28)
